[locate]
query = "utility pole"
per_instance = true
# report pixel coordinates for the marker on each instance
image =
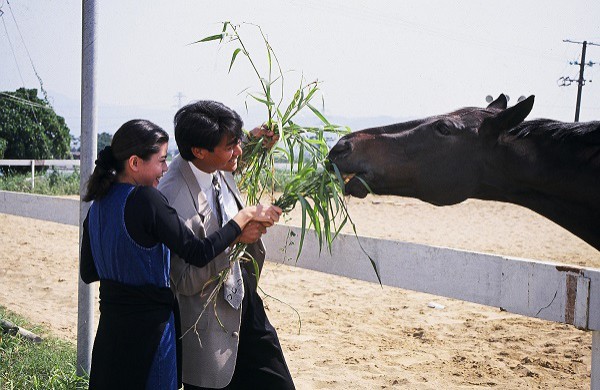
(179, 96)
(566, 81)
(89, 140)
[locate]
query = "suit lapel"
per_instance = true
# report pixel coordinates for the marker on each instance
(200, 202)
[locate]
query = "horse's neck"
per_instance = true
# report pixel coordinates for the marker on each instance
(569, 198)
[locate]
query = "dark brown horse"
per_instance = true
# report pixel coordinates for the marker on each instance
(550, 167)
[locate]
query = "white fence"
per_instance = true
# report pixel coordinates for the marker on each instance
(550, 291)
(38, 163)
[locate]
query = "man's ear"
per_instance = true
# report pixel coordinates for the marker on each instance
(199, 153)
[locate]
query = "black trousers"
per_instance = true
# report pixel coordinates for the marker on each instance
(260, 362)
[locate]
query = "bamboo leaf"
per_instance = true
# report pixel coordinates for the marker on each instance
(261, 100)
(305, 206)
(318, 114)
(364, 184)
(235, 53)
(210, 38)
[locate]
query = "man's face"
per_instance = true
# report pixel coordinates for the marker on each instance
(224, 157)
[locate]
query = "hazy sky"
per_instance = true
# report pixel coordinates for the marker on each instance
(401, 59)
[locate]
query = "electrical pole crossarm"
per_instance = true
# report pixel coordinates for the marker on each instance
(581, 81)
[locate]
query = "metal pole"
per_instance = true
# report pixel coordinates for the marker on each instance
(580, 82)
(89, 140)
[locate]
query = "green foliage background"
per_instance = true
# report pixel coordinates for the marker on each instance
(104, 139)
(30, 129)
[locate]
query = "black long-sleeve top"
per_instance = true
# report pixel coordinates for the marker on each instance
(150, 220)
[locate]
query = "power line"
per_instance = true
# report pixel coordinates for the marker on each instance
(15, 58)
(24, 101)
(28, 55)
(566, 81)
(12, 49)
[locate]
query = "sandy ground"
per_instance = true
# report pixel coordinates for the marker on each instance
(353, 334)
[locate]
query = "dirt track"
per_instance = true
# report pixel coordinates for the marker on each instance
(357, 335)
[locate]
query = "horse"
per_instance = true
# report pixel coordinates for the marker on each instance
(492, 153)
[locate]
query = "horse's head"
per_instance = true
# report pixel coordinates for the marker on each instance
(437, 159)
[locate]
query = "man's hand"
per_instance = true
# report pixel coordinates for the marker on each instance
(269, 137)
(252, 233)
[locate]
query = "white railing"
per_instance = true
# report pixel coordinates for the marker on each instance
(550, 291)
(38, 163)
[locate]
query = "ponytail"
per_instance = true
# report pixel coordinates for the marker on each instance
(105, 173)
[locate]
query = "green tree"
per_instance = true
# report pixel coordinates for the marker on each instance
(104, 139)
(2, 147)
(30, 127)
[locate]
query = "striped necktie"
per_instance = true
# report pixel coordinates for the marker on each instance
(219, 207)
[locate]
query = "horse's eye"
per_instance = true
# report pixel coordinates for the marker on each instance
(442, 128)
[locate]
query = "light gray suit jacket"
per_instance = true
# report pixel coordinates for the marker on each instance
(209, 349)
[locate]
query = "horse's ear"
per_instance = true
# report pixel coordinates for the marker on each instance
(501, 102)
(507, 119)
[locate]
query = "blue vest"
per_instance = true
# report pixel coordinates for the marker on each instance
(116, 255)
(118, 258)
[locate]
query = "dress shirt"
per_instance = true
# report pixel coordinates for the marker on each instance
(205, 181)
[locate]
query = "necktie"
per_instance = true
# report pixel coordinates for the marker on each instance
(218, 199)
(233, 287)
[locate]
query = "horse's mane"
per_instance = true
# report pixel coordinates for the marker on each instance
(566, 132)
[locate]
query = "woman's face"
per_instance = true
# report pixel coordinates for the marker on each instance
(151, 170)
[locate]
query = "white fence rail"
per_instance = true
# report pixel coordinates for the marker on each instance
(549, 291)
(38, 163)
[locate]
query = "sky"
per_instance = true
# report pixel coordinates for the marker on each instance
(378, 61)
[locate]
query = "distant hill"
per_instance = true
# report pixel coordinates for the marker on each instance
(111, 116)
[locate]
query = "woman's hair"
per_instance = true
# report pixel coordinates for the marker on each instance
(203, 124)
(137, 137)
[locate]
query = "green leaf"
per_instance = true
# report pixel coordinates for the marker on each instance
(210, 38)
(319, 115)
(261, 100)
(364, 183)
(305, 206)
(235, 53)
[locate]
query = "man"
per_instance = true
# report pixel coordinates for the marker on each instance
(236, 347)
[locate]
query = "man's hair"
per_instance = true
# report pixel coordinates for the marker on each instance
(203, 124)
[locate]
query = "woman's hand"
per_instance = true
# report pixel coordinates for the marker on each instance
(266, 214)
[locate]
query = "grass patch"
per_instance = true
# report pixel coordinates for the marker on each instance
(46, 365)
(46, 183)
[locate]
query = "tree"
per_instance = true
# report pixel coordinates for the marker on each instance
(2, 147)
(30, 129)
(104, 139)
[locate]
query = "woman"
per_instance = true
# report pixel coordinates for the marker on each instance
(127, 235)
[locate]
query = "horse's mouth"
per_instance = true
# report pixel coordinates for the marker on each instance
(354, 182)
(347, 177)
(354, 185)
